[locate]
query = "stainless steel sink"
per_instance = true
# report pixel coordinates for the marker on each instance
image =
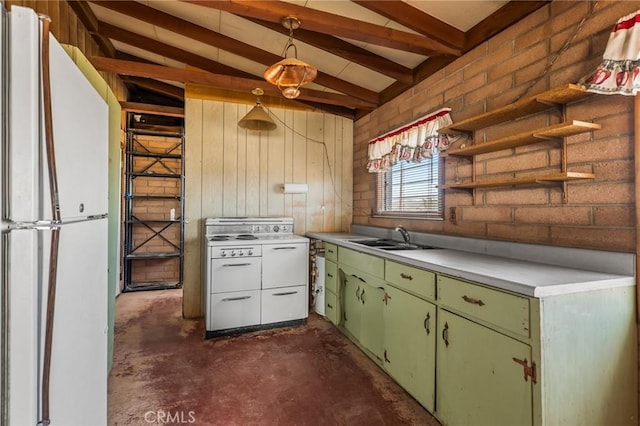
(386, 244)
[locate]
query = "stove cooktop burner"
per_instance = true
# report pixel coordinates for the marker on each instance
(246, 237)
(219, 238)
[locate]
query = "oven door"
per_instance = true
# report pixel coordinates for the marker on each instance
(285, 265)
(234, 274)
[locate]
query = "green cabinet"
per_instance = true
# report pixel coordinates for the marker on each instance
(363, 304)
(332, 306)
(481, 375)
(410, 344)
(473, 354)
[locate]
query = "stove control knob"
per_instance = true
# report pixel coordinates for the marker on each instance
(233, 253)
(250, 252)
(223, 254)
(241, 253)
(266, 228)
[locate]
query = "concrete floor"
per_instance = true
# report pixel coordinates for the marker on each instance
(164, 372)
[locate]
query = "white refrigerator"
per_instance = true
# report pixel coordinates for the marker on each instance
(77, 365)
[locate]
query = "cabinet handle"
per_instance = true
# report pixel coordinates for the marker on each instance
(358, 293)
(445, 334)
(227, 265)
(329, 305)
(233, 299)
(360, 278)
(330, 251)
(285, 293)
(386, 298)
(386, 359)
(329, 275)
(362, 295)
(405, 276)
(427, 321)
(473, 301)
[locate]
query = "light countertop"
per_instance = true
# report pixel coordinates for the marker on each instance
(524, 277)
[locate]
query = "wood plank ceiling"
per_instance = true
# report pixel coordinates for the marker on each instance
(366, 51)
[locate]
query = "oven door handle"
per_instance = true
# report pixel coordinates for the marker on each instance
(287, 293)
(233, 299)
(235, 264)
(285, 248)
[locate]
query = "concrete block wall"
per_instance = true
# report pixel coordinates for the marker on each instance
(511, 65)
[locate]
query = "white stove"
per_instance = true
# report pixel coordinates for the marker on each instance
(256, 274)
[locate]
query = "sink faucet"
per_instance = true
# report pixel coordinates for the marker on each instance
(405, 235)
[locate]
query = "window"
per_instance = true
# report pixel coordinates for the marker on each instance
(408, 167)
(409, 188)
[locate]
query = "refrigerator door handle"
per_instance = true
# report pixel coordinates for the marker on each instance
(55, 210)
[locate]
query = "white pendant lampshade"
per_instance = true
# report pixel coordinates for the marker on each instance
(257, 118)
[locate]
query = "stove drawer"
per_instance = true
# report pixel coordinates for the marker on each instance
(284, 304)
(234, 309)
(235, 274)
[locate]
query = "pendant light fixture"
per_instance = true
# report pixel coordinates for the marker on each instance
(290, 73)
(257, 118)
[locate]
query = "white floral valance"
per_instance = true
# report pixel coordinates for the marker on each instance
(412, 142)
(619, 72)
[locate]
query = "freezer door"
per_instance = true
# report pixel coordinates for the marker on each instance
(81, 133)
(80, 127)
(78, 392)
(23, 145)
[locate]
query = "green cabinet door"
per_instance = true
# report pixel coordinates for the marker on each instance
(363, 300)
(352, 304)
(371, 321)
(480, 375)
(410, 344)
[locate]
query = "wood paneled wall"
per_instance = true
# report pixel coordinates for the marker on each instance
(234, 172)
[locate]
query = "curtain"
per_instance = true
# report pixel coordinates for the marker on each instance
(413, 142)
(618, 72)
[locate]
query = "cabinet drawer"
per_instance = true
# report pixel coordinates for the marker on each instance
(331, 307)
(331, 252)
(331, 277)
(372, 265)
(505, 310)
(413, 280)
(284, 304)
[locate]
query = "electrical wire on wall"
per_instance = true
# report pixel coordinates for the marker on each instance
(326, 156)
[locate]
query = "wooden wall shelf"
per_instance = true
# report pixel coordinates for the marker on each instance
(522, 180)
(527, 106)
(557, 131)
(556, 98)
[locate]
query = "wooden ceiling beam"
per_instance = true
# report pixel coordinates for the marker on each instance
(501, 19)
(328, 23)
(345, 50)
(156, 86)
(212, 38)
(90, 21)
(171, 52)
(152, 109)
(204, 78)
(411, 17)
